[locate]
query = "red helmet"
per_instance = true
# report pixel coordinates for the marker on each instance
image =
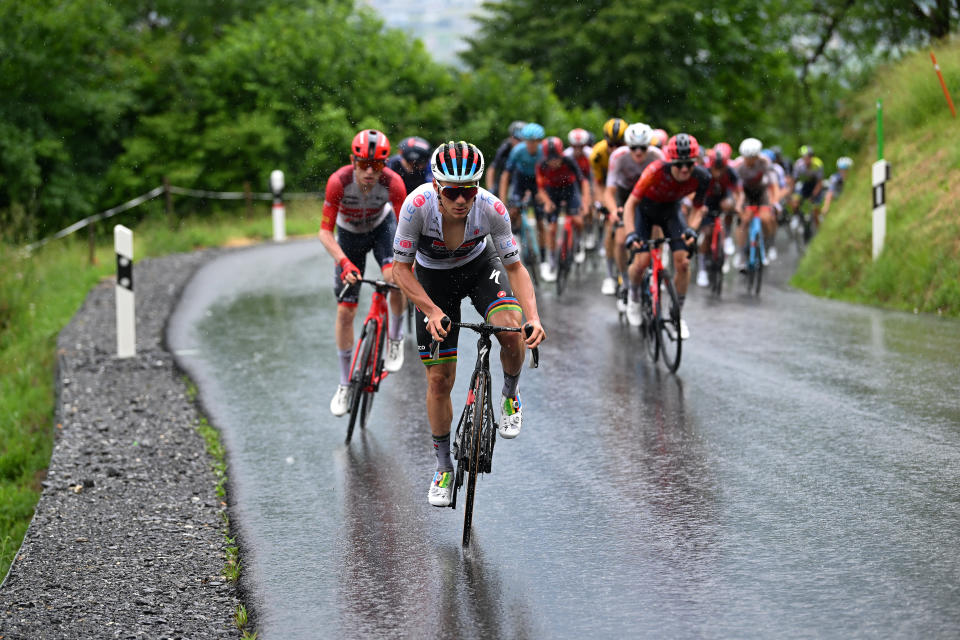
(552, 147)
(682, 147)
(370, 144)
(721, 154)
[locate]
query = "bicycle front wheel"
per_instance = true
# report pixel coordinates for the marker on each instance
(360, 377)
(649, 327)
(474, 446)
(670, 339)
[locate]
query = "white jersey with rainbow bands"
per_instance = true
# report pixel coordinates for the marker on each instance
(420, 231)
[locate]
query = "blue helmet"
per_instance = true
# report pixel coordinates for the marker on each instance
(769, 154)
(532, 131)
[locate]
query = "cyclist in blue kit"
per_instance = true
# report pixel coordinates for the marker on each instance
(459, 235)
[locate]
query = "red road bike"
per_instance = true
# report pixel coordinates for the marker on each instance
(366, 369)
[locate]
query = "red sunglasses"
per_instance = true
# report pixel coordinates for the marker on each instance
(376, 165)
(453, 193)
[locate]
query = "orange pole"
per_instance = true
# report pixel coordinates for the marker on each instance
(943, 84)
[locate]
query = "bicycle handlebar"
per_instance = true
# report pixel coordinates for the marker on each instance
(379, 284)
(484, 329)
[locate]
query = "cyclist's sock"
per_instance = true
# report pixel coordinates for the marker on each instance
(681, 299)
(543, 254)
(553, 260)
(396, 326)
(612, 268)
(634, 292)
(441, 447)
(510, 385)
(346, 355)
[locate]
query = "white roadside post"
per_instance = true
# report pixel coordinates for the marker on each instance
(279, 211)
(126, 319)
(881, 173)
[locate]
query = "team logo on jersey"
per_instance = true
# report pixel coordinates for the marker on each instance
(404, 244)
(499, 208)
(476, 231)
(419, 201)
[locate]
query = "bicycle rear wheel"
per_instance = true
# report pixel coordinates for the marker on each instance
(474, 446)
(564, 258)
(360, 377)
(670, 339)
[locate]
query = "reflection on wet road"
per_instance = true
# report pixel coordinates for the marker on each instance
(799, 477)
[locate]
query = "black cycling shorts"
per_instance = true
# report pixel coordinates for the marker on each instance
(356, 246)
(755, 197)
(667, 216)
(483, 279)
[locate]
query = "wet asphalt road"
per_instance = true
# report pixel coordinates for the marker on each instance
(798, 477)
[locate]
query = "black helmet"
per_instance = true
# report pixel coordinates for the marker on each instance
(515, 126)
(415, 150)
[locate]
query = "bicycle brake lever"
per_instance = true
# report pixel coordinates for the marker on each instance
(528, 331)
(435, 344)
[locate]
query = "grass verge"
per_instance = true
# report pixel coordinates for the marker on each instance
(919, 268)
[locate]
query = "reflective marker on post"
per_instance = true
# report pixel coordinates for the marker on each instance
(279, 211)
(881, 173)
(126, 320)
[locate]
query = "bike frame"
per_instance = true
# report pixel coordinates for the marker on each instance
(377, 318)
(757, 250)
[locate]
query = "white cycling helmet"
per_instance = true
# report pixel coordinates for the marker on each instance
(751, 148)
(458, 162)
(578, 137)
(844, 162)
(638, 135)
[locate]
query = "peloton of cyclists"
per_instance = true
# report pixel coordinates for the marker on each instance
(724, 197)
(560, 180)
(519, 182)
(580, 151)
(835, 183)
(443, 227)
(655, 200)
(759, 187)
(362, 200)
(503, 152)
(613, 131)
(626, 166)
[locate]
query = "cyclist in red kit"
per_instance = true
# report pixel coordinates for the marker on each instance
(655, 201)
(362, 202)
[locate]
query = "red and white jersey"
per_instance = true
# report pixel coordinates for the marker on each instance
(345, 205)
(583, 160)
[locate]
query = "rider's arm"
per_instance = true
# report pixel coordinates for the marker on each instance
(610, 199)
(629, 225)
(328, 219)
(522, 287)
(396, 191)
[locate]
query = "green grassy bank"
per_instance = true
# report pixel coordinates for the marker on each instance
(39, 294)
(919, 268)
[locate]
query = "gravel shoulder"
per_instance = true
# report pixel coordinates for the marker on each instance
(127, 540)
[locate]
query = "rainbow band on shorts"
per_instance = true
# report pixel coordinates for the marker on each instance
(503, 304)
(445, 355)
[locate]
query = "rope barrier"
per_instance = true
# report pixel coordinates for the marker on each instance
(153, 193)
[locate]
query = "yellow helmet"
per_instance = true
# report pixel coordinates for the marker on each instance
(613, 130)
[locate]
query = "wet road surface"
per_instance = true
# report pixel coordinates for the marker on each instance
(798, 477)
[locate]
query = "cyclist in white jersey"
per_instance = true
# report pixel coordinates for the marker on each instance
(626, 166)
(459, 235)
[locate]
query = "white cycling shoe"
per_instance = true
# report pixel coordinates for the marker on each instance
(511, 417)
(341, 400)
(441, 489)
(608, 287)
(580, 256)
(684, 330)
(633, 313)
(728, 247)
(702, 279)
(394, 359)
(772, 253)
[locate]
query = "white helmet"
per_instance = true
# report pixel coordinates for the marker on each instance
(751, 148)
(457, 162)
(638, 135)
(578, 137)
